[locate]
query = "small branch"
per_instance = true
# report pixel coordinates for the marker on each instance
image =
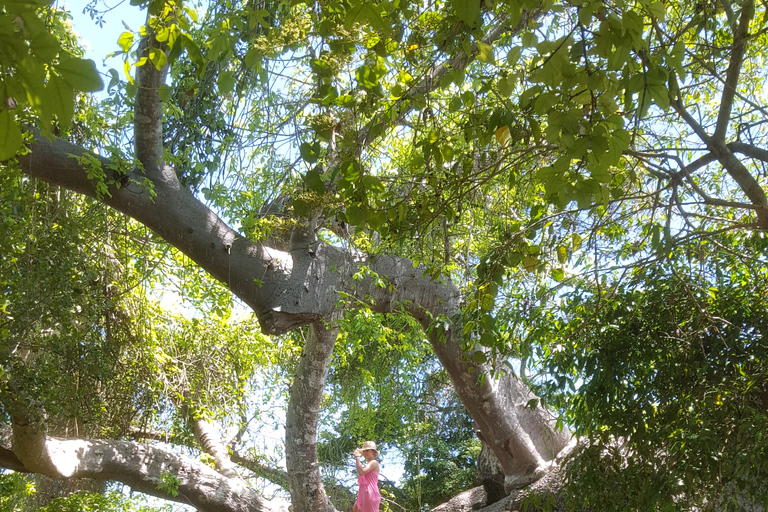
(739, 48)
(430, 82)
(277, 476)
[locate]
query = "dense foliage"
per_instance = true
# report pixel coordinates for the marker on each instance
(672, 382)
(591, 175)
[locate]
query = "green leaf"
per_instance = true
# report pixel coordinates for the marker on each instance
(226, 82)
(350, 170)
(507, 86)
(372, 183)
(165, 92)
(365, 12)
(576, 241)
(10, 136)
(158, 58)
(125, 41)
(299, 206)
(562, 254)
(356, 215)
(485, 53)
(44, 46)
(558, 274)
(314, 182)
(310, 153)
(253, 58)
(467, 11)
(81, 74)
(659, 95)
(60, 99)
(658, 10)
(366, 77)
(193, 50)
(529, 40)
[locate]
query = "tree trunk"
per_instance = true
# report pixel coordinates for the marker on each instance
(302, 418)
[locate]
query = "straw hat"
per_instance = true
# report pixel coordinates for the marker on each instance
(369, 445)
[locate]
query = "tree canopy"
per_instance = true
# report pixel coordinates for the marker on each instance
(564, 197)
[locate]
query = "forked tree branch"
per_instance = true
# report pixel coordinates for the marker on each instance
(733, 166)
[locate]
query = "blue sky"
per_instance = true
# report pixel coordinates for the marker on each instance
(101, 41)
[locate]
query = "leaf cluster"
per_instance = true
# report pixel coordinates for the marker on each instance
(40, 70)
(665, 379)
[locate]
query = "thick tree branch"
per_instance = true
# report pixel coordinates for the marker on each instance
(749, 185)
(140, 466)
(273, 283)
(148, 109)
(8, 459)
(738, 50)
(749, 150)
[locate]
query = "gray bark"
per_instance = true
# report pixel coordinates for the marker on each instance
(210, 442)
(302, 418)
(137, 465)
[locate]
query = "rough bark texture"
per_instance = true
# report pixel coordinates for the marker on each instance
(523, 440)
(210, 442)
(477, 500)
(48, 489)
(140, 466)
(490, 474)
(307, 491)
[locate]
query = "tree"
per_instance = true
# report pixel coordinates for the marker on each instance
(426, 176)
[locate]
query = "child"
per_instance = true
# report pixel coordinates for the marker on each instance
(368, 496)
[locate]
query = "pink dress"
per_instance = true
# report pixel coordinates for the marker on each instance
(368, 497)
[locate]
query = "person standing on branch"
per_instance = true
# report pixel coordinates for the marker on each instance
(368, 496)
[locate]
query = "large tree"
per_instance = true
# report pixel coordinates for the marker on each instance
(321, 156)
